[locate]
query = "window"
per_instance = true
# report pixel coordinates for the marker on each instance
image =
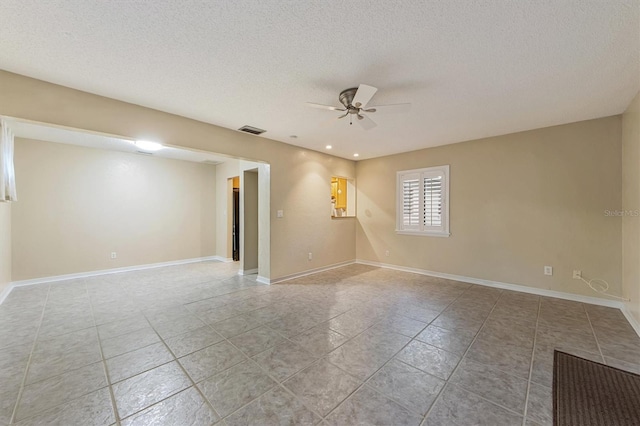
(423, 201)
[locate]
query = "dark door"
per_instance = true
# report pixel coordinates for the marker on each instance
(236, 224)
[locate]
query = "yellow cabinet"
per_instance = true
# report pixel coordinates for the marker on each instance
(339, 192)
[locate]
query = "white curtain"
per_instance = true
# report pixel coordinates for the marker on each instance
(7, 172)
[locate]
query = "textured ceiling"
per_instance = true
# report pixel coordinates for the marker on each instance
(470, 69)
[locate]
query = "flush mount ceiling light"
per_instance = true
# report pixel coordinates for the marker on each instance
(356, 155)
(148, 145)
(328, 146)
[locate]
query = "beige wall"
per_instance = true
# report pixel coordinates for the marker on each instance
(5, 245)
(548, 208)
(631, 204)
(249, 213)
(264, 220)
(518, 202)
(300, 178)
(77, 205)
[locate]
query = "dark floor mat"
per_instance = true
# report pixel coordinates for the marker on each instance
(587, 393)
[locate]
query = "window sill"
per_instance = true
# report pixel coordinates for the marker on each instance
(424, 234)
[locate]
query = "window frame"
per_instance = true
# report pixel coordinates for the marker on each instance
(401, 177)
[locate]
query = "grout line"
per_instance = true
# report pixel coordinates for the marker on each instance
(129, 351)
(227, 340)
(364, 382)
(278, 383)
(26, 371)
(491, 367)
(63, 373)
(249, 290)
(533, 355)
(462, 387)
(435, 401)
(184, 371)
(290, 341)
(34, 344)
(595, 336)
(270, 376)
(104, 362)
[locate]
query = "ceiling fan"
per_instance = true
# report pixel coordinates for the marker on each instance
(355, 100)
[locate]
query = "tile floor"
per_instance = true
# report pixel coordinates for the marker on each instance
(200, 345)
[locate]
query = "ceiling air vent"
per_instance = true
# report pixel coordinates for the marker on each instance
(144, 153)
(252, 130)
(213, 163)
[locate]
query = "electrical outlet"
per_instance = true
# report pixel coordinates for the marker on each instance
(548, 270)
(280, 213)
(577, 274)
(386, 253)
(114, 255)
(310, 256)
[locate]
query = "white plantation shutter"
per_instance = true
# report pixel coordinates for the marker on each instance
(423, 201)
(7, 172)
(432, 186)
(411, 202)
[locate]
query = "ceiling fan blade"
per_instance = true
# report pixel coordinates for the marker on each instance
(363, 95)
(393, 108)
(329, 107)
(366, 122)
(343, 115)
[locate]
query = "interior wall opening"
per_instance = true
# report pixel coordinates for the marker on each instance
(117, 204)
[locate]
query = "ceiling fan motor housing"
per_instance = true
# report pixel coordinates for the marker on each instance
(346, 98)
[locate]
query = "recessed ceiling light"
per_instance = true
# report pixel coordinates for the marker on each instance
(328, 146)
(356, 155)
(148, 145)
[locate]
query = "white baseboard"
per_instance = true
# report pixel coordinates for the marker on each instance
(263, 280)
(497, 284)
(5, 292)
(88, 274)
(632, 320)
(305, 273)
(248, 271)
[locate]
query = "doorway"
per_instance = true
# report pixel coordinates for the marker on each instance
(243, 223)
(235, 222)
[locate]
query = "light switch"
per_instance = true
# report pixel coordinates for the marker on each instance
(280, 213)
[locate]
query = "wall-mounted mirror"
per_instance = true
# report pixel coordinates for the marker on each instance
(343, 197)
